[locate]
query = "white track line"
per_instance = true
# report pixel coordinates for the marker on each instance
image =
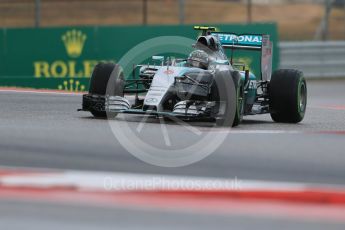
(255, 131)
(41, 92)
(51, 92)
(114, 181)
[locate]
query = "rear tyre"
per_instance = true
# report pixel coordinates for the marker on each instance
(288, 96)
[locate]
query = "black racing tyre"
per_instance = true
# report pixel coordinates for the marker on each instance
(288, 96)
(102, 75)
(226, 97)
(240, 99)
(98, 114)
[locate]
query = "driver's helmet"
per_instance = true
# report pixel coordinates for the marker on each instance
(198, 59)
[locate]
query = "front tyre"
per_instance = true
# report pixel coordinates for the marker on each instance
(239, 99)
(288, 96)
(224, 92)
(106, 79)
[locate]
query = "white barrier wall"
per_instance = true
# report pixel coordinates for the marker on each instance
(315, 59)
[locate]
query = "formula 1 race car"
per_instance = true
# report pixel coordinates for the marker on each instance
(205, 85)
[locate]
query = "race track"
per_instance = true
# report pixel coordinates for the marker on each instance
(45, 130)
(42, 216)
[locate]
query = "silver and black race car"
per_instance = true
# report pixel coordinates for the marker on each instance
(205, 85)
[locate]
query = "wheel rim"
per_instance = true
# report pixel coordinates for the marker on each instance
(302, 97)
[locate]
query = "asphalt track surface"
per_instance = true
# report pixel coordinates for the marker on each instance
(45, 131)
(42, 216)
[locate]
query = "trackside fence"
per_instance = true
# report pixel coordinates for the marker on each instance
(315, 59)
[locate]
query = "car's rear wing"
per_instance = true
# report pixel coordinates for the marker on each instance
(254, 42)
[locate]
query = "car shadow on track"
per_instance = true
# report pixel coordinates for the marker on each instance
(168, 121)
(255, 122)
(154, 120)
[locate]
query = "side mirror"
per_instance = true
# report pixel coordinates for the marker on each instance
(220, 62)
(157, 58)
